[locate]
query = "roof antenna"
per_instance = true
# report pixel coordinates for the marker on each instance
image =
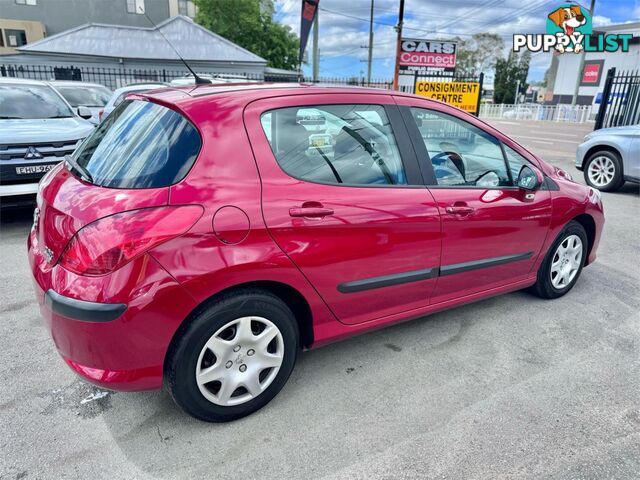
(198, 80)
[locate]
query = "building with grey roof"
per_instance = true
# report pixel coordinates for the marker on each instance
(118, 47)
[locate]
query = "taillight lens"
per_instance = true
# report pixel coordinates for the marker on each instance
(100, 114)
(107, 244)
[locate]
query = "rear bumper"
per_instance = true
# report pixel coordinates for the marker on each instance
(112, 330)
(82, 310)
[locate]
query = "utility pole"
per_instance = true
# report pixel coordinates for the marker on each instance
(576, 90)
(399, 41)
(515, 101)
(370, 44)
(316, 52)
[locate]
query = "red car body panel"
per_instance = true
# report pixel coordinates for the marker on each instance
(246, 236)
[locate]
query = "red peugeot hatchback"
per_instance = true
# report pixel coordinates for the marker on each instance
(202, 236)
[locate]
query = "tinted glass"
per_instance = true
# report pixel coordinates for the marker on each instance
(85, 96)
(31, 101)
(461, 154)
(140, 145)
(344, 144)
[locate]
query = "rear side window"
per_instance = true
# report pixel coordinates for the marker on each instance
(140, 145)
(335, 144)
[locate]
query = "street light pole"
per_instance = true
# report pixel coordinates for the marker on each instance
(576, 90)
(399, 28)
(316, 57)
(370, 44)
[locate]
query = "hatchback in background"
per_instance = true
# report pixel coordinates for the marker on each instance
(609, 157)
(81, 94)
(118, 96)
(203, 235)
(37, 129)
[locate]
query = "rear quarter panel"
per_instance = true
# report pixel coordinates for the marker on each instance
(225, 175)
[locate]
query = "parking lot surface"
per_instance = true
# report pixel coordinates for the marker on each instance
(509, 387)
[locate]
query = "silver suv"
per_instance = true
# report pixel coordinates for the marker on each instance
(37, 129)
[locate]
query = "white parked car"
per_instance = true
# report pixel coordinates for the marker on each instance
(82, 94)
(119, 95)
(189, 80)
(38, 128)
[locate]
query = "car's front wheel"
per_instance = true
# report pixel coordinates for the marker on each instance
(563, 263)
(232, 358)
(603, 171)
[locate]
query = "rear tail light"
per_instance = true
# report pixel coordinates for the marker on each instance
(107, 244)
(100, 114)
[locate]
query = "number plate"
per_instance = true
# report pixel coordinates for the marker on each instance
(34, 169)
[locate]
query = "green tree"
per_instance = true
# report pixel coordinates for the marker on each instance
(508, 72)
(478, 53)
(249, 24)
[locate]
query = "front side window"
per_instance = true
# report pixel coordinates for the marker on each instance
(515, 161)
(30, 102)
(139, 145)
(335, 144)
(461, 154)
(85, 96)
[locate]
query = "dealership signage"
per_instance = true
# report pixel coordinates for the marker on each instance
(427, 56)
(464, 95)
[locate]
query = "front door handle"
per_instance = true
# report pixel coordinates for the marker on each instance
(459, 210)
(310, 210)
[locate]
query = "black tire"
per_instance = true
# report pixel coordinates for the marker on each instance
(543, 287)
(618, 176)
(182, 358)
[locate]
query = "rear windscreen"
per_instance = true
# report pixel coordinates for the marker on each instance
(140, 145)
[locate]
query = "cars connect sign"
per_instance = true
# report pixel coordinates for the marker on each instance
(427, 56)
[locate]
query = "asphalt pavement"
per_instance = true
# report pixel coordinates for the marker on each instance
(509, 387)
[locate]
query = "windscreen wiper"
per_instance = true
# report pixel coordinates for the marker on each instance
(84, 173)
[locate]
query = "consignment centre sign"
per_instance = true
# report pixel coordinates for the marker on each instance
(464, 95)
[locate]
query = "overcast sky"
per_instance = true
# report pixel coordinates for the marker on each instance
(344, 27)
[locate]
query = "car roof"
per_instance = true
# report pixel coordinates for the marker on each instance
(138, 87)
(72, 83)
(22, 81)
(184, 96)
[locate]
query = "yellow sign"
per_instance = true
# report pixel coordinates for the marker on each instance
(463, 95)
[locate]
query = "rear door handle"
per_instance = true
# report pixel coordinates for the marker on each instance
(459, 210)
(310, 212)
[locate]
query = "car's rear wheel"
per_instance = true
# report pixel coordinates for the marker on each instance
(604, 171)
(232, 358)
(563, 263)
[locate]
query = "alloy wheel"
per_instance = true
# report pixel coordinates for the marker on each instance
(601, 171)
(566, 262)
(239, 361)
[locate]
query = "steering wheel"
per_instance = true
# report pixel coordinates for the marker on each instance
(454, 158)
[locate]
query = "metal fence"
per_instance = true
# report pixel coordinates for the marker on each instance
(113, 77)
(549, 113)
(620, 100)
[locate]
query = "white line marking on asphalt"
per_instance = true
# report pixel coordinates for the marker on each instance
(543, 141)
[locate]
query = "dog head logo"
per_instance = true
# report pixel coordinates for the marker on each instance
(569, 23)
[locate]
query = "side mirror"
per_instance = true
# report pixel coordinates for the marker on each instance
(84, 112)
(529, 179)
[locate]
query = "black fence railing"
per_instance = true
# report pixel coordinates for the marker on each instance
(113, 77)
(620, 101)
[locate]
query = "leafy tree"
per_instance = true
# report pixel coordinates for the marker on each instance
(508, 72)
(478, 53)
(249, 24)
